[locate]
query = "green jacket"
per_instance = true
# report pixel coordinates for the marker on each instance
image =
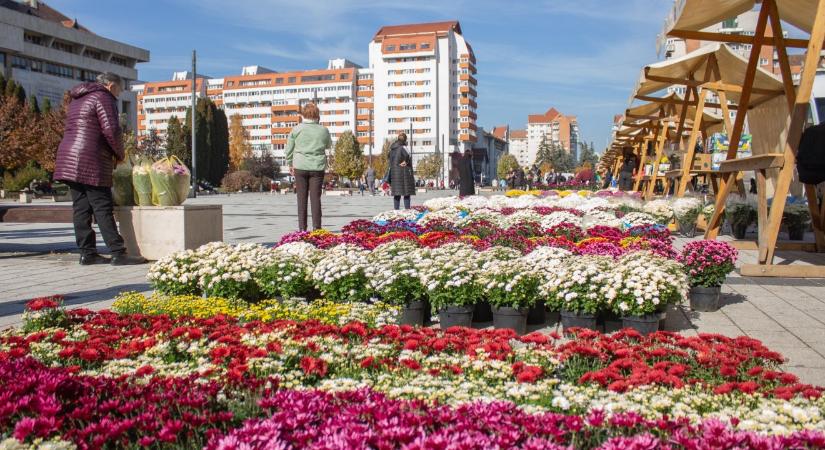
(306, 146)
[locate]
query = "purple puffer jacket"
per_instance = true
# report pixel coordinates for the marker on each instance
(92, 137)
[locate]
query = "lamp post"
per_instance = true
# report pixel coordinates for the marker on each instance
(194, 141)
(370, 136)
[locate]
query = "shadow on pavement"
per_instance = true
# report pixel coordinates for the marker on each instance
(15, 307)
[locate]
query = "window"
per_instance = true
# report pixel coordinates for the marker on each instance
(63, 46)
(33, 39)
(119, 61)
(291, 80)
(730, 23)
(406, 47)
(94, 54)
(389, 48)
(317, 77)
(59, 70)
(20, 62)
(344, 76)
(425, 45)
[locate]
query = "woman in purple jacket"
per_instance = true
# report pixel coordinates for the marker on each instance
(92, 144)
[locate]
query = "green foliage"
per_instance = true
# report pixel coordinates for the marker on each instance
(588, 155)
(286, 278)
(381, 162)
(742, 214)
(175, 140)
(506, 164)
(212, 134)
(796, 215)
(429, 167)
(545, 153)
(244, 180)
(521, 294)
(348, 157)
(23, 176)
(33, 106)
(561, 160)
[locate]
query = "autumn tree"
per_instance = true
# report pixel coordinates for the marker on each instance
(382, 161)
(429, 167)
(506, 164)
(52, 122)
(239, 148)
(348, 157)
(175, 140)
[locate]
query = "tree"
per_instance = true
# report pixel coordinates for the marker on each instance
(429, 167)
(561, 160)
(151, 145)
(175, 140)
(588, 155)
(506, 164)
(263, 167)
(348, 157)
(52, 122)
(34, 108)
(382, 161)
(239, 148)
(212, 141)
(544, 154)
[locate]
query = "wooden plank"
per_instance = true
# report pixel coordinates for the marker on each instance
(758, 162)
(734, 38)
(782, 271)
(791, 246)
(660, 147)
(761, 205)
(798, 119)
(687, 164)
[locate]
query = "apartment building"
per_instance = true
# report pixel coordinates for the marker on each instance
(557, 129)
(48, 53)
(424, 78)
(518, 147)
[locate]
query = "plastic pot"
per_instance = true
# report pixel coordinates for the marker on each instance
(413, 313)
(705, 299)
(456, 316)
(512, 318)
(570, 319)
(649, 323)
(739, 230)
(537, 314)
(797, 233)
(482, 312)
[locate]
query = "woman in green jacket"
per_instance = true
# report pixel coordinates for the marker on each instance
(306, 156)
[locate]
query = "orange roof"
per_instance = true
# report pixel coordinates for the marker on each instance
(500, 132)
(543, 118)
(518, 134)
(432, 27)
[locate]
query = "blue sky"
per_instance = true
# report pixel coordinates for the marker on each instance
(579, 56)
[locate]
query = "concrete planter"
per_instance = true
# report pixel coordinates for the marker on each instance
(512, 318)
(157, 231)
(25, 197)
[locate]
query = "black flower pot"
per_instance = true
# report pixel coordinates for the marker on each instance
(570, 319)
(649, 323)
(512, 318)
(688, 229)
(796, 233)
(482, 312)
(739, 230)
(456, 316)
(537, 314)
(705, 299)
(414, 313)
(428, 313)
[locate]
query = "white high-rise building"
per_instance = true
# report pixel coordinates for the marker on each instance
(424, 79)
(519, 147)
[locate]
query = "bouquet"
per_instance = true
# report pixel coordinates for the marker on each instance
(170, 182)
(122, 189)
(142, 183)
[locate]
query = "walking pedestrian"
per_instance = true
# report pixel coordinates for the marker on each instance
(401, 172)
(91, 146)
(307, 159)
(466, 182)
(628, 170)
(371, 180)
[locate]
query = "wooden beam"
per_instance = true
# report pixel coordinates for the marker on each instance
(687, 164)
(714, 85)
(733, 38)
(791, 246)
(782, 271)
(758, 162)
(660, 147)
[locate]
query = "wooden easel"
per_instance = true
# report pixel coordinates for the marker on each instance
(769, 219)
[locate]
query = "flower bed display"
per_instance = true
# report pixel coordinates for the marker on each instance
(104, 378)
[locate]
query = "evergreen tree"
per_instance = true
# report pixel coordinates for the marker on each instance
(561, 160)
(33, 106)
(175, 140)
(588, 155)
(545, 153)
(47, 106)
(239, 148)
(212, 141)
(348, 157)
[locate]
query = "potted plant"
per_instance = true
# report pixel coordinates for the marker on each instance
(545, 262)
(796, 217)
(512, 288)
(341, 274)
(707, 263)
(579, 294)
(501, 251)
(393, 275)
(451, 280)
(740, 215)
(640, 284)
(287, 277)
(686, 210)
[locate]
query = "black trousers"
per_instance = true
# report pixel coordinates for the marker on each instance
(90, 200)
(308, 187)
(396, 201)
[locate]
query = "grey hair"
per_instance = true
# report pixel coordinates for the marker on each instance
(110, 78)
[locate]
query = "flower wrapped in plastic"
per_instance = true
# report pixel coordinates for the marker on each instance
(122, 190)
(142, 182)
(170, 180)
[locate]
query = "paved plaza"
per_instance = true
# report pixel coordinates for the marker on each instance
(788, 315)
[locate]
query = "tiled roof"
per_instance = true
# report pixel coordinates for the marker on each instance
(547, 117)
(518, 134)
(432, 27)
(500, 132)
(44, 12)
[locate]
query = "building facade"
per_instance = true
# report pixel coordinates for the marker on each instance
(48, 53)
(518, 147)
(420, 80)
(553, 127)
(487, 150)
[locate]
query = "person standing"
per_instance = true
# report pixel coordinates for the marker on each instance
(628, 170)
(401, 172)
(371, 180)
(91, 146)
(306, 155)
(466, 181)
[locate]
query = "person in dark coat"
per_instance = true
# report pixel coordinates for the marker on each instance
(400, 172)
(628, 170)
(466, 180)
(92, 144)
(371, 180)
(520, 180)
